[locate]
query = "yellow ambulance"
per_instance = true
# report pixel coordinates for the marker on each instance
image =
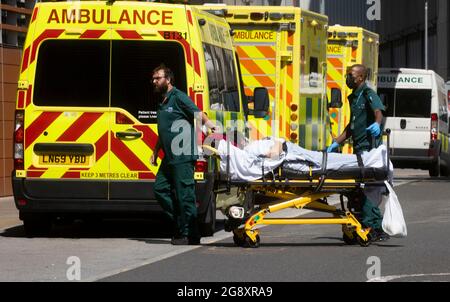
(347, 46)
(86, 111)
(282, 49)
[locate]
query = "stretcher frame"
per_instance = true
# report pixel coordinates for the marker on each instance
(308, 194)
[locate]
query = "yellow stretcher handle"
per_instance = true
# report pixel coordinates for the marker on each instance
(210, 149)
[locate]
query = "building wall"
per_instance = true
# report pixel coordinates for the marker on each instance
(403, 35)
(15, 16)
(9, 67)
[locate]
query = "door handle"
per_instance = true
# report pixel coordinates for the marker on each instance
(128, 134)
(402, 123)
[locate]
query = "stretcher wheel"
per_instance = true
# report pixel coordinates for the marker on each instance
(362, 242)
(238, 240)
(348, 240)
(251, 243)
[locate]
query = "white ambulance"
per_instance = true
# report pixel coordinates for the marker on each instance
(417, 114)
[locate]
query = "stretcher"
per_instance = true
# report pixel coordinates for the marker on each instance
(302, 190)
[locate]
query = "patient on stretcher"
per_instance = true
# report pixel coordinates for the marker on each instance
(263, 156)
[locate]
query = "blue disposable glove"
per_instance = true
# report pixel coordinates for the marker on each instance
(374, 129)
(333, 146)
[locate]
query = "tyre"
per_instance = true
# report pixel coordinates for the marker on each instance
(207, 220)
(37, 225)
(348, 240)
(435, 168)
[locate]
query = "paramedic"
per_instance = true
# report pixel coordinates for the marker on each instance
(174, 185)
(365, 130)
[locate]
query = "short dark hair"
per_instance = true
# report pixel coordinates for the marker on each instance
(362, 68)
(167, 72)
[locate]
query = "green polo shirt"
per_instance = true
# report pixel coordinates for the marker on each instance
(363, 102)
(175, 119)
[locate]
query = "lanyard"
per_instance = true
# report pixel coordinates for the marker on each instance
(352, 125)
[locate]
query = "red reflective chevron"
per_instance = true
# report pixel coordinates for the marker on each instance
(35, 12)
(126, 156)
(83, 123)
(26, 56)
(71, 174)
(92, 34)
(35, 173)
(47, 34)
(38, 126)
(149, 136)
(129, 34)
(101, 146)
(29, 92)
(21, 99)
(196, 62)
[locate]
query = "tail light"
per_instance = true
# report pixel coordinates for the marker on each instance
(122, 119)
(434, 126)
(201, 166)
(19, 140)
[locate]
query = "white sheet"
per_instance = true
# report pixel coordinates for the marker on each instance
(247, 164)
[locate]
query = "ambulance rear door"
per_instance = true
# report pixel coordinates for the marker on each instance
(66, 106)
(147, 37)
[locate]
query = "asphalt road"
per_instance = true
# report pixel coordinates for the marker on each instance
(317, 253)
(141, 250)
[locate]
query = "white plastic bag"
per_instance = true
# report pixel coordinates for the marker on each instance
(393, 221)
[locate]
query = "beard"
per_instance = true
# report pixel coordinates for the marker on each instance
(162, 88)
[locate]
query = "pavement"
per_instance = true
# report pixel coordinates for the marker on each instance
(9, 215)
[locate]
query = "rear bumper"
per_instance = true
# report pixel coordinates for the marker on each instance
(33, 195)
(415, 157)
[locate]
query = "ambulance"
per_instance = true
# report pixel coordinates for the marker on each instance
(347, 45)
(417, 114)
(284, 50)
(85, 121)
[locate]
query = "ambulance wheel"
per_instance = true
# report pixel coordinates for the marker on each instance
(250, 243)
(208, 219)
(435, 169)
(348, 240)
(37, 225)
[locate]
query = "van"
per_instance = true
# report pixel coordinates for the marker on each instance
(86, 112)
(417, 114)
(282, 48)
(347, 45)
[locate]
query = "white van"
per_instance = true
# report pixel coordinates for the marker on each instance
(417, 114)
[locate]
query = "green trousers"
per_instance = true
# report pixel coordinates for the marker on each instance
(175, 191)
(370, 214)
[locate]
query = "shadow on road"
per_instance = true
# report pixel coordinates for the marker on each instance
(147, 230)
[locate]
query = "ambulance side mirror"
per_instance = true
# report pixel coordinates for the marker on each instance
(261, 102)
(336, 98)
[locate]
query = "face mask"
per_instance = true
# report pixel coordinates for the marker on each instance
(350, 81)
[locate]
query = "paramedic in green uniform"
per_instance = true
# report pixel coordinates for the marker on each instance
(365, 130)
(175, 186)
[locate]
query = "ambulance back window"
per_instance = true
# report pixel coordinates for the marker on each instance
(72, 73)
(105, 73)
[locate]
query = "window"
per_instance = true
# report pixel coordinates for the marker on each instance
(78, 73)
(72, 73)
(413, 103)
(387, 97)
(222, 81)
(132, 64)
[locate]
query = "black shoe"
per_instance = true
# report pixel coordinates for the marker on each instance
(379, 235)
(179, 241)
(185, 241)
